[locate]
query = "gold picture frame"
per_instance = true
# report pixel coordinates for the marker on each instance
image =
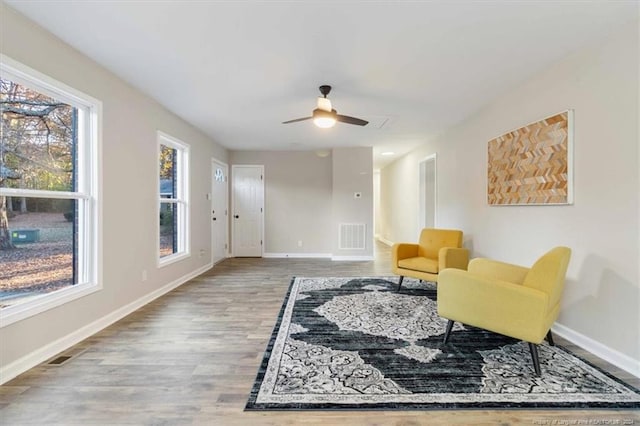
(532, 165)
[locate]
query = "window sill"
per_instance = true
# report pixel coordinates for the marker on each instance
(168, 260)
(44, 302)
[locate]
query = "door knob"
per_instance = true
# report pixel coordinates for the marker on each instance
(237, 217)
(214, 218)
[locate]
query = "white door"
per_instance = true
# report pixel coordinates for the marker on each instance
(219, 211)
(428, 196)
(247, 219)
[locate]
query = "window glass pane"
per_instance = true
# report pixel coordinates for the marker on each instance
(168, 229)
(43, 235)
(219, 175)
(168, 170)
(38, 139)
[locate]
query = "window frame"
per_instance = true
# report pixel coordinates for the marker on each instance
(88, 194)
(183, 220)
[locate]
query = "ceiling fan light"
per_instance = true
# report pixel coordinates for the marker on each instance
(324, 122)
(324, 104)
(324, 119)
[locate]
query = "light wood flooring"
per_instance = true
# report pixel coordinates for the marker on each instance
(191, 356)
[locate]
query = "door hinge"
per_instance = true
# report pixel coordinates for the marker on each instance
(260, 209)
(260, 177)
(260, 242)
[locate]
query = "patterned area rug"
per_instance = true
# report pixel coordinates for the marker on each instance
(355, 343)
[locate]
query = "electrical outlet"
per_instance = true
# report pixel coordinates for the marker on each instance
(144, 275)
(299, 243)
(201, 253)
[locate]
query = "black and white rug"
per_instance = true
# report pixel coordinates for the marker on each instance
(355, 343)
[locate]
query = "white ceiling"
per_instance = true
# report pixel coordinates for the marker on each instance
(236, 70)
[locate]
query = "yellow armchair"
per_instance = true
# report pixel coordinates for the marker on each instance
(512, 300)
(436, 250)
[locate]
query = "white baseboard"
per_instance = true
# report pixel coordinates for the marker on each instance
(19, 366)
(612, 356)
(383, 241)
(351, 258)
(297, 255)
(316, 256)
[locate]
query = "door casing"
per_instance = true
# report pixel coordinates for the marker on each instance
(219, 210)
(428, 192)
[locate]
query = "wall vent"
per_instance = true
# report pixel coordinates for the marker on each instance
(352, 236)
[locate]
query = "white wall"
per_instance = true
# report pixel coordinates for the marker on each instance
(600, 83)
(352, 173)
(307, 197)
(298, 188)
(129, 172)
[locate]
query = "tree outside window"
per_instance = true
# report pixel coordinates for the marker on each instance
(47, 207)
(173, 200)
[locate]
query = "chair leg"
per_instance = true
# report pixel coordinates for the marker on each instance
(448, 331)
(550, 338)
(534, 356)
(400, 282)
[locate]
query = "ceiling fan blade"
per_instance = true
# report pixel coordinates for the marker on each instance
(351, 120)
(296, 120)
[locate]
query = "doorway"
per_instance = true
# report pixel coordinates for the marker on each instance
(247, 222)
(428, 196)
(219, 211)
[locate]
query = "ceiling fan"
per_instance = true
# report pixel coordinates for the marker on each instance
(325, 116)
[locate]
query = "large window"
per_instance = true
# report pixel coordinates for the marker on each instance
(173, 172)
(48, 192)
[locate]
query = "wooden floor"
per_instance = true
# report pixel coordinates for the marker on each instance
(191, 357)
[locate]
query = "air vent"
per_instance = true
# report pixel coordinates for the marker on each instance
(378, 121)
(352, 236)
(64, 358)
(59, 360)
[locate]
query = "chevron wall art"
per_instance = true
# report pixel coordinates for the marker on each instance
(532, 164)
